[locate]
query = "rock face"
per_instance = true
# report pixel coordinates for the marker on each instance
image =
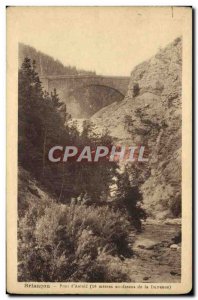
(150, 115)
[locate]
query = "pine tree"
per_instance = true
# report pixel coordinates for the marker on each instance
(41, 126)
(130, 198)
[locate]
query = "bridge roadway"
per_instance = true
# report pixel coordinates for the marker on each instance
(66, 84)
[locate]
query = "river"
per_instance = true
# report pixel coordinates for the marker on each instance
(154, 259)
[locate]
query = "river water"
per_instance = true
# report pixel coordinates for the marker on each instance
(154, 260)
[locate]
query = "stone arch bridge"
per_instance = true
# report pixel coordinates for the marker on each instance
(107, 88)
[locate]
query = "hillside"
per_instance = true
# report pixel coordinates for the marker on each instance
(84, 222)
(45, 64)
(150, 115)
(153, 252)
(30, 193)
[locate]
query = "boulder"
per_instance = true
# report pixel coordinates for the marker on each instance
(174, 247)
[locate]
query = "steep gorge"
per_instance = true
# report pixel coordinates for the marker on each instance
(150, 115)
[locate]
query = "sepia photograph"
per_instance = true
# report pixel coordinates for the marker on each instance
(99, 131)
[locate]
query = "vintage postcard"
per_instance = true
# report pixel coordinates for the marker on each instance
(99, 150)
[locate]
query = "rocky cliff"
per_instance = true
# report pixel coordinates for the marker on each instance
(150, 115)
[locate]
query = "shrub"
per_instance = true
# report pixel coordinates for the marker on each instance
(108, 269)
(65, 243)
(136, 89)
(129, 199)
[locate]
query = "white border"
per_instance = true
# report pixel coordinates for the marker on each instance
(5, 3)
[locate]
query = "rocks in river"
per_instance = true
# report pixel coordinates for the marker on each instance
(161, 261)
(141, 246)
(146, 278)
(175, 273)
(165, 244)
(177, 238)
(147, 244)
(151, 245)
(176, 221)
(174, 247)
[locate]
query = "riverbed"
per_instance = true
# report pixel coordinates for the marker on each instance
(155, 258)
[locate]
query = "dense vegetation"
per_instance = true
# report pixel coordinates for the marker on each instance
(83, 232)
(40, 127)
(72, 243)
(46, 65)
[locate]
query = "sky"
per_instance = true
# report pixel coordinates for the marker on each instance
(110, 41)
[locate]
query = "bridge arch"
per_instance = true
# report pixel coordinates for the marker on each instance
(90, 98)
(87, 92)
(97, 85)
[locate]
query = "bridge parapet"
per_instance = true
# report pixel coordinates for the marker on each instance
(86, 94)
(120, 83)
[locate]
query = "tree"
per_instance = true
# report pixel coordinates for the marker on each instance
(41, 126)
(130, 199)
(92, 180)
(136, 89)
